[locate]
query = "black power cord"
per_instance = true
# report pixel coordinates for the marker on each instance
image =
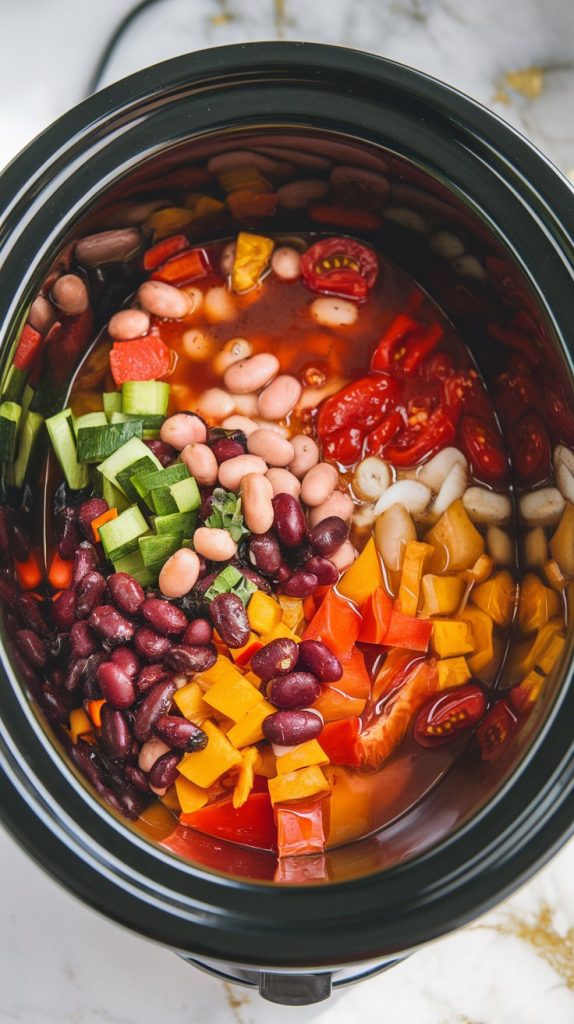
(113, 42)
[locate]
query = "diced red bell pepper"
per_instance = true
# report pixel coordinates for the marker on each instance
(336, 623)
(181, 269)
(141, 359)
(339, 741)
(217, 855)
(28, 347)
(355, 680)
(408, 632)
(252, 824)
(405, 344)
(376, 613)
(300, 828)
(162, 251)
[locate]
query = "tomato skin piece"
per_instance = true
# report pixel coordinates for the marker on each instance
(340, 266)
(157, 254)
(494, 730)
(483, 449)
(300, 828)
(344, 446)
(405, 344)
(530, 449)
(28, 347)
(252, 824)
(339, 741)
(464, 394)
(376, 441)
(450, 713)
(141, 359)
(361, 404)
(412, 445)
(515, 394)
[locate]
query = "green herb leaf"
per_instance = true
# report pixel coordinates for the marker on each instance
(231, 581)
(226, 514)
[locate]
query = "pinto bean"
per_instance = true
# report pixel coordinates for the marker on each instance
(232, 472)
(269, 445)
(201, 463)
(163, 300)
(215, 545)
(319, 483)
(150, 752)
(283, 482)
(128, 324)
(216, 404)
(286, 263)
(198, 347)
(242, 423)
(41, 315)
(246, 405)
(219, 305)
(333, 312)
(179, 573)
(337, 504)
(306, 455)
(251, 374)
(71, 295)
(107, 246)
(280, 397)
(182, 429)
(257, 494)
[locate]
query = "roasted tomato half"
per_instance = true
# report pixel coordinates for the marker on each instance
(405, 345)
(340, 266)
(483, 449)
(465, 393)
(495, 729)
(530, 449)
(449, 714)
(426, 434)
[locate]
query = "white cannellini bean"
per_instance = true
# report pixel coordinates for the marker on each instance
(410, 219)
(364, 515)
(214, 544)
(500, 546)
(469, 266)
(543, 507)
(246, 405)
(435, 471)
(318, 483)
(452, 488)
(484, 506)
(149, 753)
(535, 548)
(306, 454)
(219, 305)
(269, 445)
(216, 404)
(564, 455)
(393, 529)
(372, 476)
(240, 423)
(197, 346)
(344, 556)
(201, 463)
(249, 375)
(414, 495)
(286, 263)
(565, 481)
(312, 397)
(283, 482)
(256, 494)
(128, 324)
(446, 244)
(333, 312)
(232, 471)
(280, 397)
(233, 350)
(163, 300)
(41, 315)
(179, 573)
(337, 504)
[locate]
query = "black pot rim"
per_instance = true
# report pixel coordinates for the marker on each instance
(42, 803)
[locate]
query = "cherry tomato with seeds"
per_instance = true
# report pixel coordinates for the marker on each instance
(450, 713)
(438, 366)
(377, 440)
(530, 449)
(344, 446)
(494, 730)
(340, 266)
(465, 393)
(414, 443)
(404, 346)
(362, 404)
(483, 449)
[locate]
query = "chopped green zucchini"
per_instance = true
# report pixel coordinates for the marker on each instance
(29, 432)
(120, 417)
(14, 384)
(186, 495)
(62, 437)
(133, 565)
(97, 443)
(178, 521)
(89, 419)
(120, 536)
(114, 497)
(27, 398)
(10, 413)
(139, 467)
(112, 402)
(156, 548)
(125, 457)
(145, 483)
(145, 397)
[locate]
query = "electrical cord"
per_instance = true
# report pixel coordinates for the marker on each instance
(114, 41)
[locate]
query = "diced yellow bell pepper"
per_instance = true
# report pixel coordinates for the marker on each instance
(550, 654)
(205, 766)
(80, 724)
(298, 785)
(553, 575)
(483, 642)
(496, 597)
(562, 543)
(170, 799)
(249, 758)
(252, 257)
(190, 796)
(206, 206)
(243, 177)
(243, 655)
(364, 575)
(480, 571)
(528, 655)
(416, 554)
(452, 672)
(253, 679)
(292, 608)
(267, 764)
(527, 692)
(191, 703)
(456, 541)
(536, 604)
(218, 671)
(233, 696)
(263, 612)
(280, 630)
(451, 637)
(248, 729)
(168, 221)
(302, 756)
(442, 594)
(350, 805)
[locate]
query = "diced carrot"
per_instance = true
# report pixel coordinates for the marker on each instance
(61, 572)
(345, 217)
(29, 573)
(181, 269)
(29, 344)
(94, 709)
(110, 513)
(80, 724)
(141, 359)
(162, 251)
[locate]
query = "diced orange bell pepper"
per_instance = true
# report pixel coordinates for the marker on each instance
(336, 623)
(380, 738)
(406, 631)
(80, 724)
(339, 741)
(363, 576)
(416, 554)
(250, 757)
(205, 766)
(190, 796)
(376, 612)
(300, 828)
(299, 785)
(264, 613)
(303, 755)
(243, 655)
(335, 704)
(350, 805)
(94, 709)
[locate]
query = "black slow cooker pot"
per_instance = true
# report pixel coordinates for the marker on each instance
(455, 172)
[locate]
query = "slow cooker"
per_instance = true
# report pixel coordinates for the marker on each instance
(455, 171)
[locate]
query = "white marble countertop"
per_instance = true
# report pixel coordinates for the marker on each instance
(59, 961)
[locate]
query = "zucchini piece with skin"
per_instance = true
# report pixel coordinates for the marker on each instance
(125, 457)
(29, 433)
(10, 413)
(145, 397)
(120, 536)
(99, 442)
(61, 435)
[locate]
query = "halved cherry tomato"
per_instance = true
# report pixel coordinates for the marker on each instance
(464, 393)
(344, 446)
(495, 729)
(361, 404)
(300, 828)
(252, 824)
(339, 741)
(483, 449)
(340, 266)
(438, 366)
(29, 344)
(379, 437)
(559, 415)
(530, 449)
(515, 394)
(404, 345)
(445, 716)
(427, 436)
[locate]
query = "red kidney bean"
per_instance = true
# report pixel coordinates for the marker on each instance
(315, 657)
(251, 574)
(150, 675)
(126, 593)
(30, 611)
(276, 658)
(179, 733)
(82, 640)
(32, 647)
(284, 573)
(155, 703)
(117, 688)
(136, 778)
(64, 611)
(5, 539)
(85, 560)
(164, 616)
(70, 536)
(91, 685)
(301, 584)
(225, 448)
(228, 615)
(111, 625)
(20, 544)
(198, 633)
(289, 522)
(325, 571)
(186, 658)
(116, 733)
(289, 728)
(54, 703)
(295, 690)
(162, 451)
(127, 660)
(89, 592)
(75, 674)
(151, 646)
(328, 535)
(164, 772)
(265, 553)
(88, 511)
(8, 593)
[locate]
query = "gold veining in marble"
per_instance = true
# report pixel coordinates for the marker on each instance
(539, 932)
(528, 82)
